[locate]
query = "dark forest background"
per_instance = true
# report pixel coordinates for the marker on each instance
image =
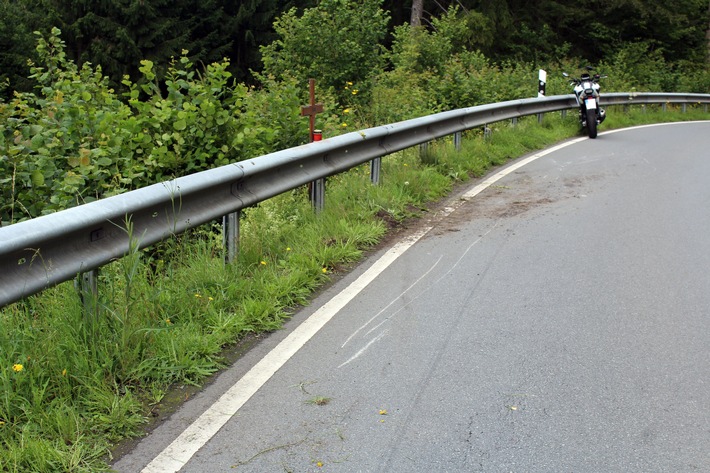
(118, 34)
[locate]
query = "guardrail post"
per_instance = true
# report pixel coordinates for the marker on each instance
(457, 141)
(486, 132)
(375, 168)
(564, 114)
(87, 284)
(685, 107)
(423, 150)
(663, 106)
(230, 236)
(514, 121)
(317, 194)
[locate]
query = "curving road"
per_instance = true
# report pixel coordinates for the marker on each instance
(555, 320)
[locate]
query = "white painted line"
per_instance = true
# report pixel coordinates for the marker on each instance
(179, 452)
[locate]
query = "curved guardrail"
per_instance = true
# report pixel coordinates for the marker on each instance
(51, 249)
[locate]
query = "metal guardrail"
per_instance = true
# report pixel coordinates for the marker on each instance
(39, 253)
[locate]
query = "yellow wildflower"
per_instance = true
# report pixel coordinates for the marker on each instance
(17, 367)
(325, 270)
(64, 372)
(263, 263)
(344, 125)
(355, 91)
(347, 110)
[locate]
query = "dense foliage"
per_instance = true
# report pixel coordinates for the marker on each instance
(117, 35)
(77, 140)
(339, 41)
(595, 29)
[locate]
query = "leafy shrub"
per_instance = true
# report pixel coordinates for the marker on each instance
(336, 42)
(76, 140)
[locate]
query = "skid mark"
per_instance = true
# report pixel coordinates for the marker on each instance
(363, 349)
(391, 302)
(379, 336)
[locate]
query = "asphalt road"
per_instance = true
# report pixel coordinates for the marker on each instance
(558, 321)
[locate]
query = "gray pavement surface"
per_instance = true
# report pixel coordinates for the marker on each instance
(557, 322)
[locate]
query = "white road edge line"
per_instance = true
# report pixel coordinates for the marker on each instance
(196, 435)
(179, 452)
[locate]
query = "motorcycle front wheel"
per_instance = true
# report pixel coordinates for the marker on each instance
(592, 123)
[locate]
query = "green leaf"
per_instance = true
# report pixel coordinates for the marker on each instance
(37, 141)
(180, 125)
(37, 178)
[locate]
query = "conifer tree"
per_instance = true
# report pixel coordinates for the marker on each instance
(17, 21)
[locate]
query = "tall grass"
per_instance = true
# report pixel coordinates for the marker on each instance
(74, 382)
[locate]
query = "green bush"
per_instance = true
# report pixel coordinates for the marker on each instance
(336, 42)
(77, 140)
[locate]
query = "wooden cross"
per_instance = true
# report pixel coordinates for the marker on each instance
(314, 108)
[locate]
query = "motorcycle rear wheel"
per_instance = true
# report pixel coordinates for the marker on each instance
(592, 123)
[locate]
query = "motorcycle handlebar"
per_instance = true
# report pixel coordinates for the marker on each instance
(595, 78)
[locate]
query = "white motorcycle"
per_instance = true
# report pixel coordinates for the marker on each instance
(586, 91)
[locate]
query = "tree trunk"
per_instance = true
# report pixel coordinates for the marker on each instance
(417, 12)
